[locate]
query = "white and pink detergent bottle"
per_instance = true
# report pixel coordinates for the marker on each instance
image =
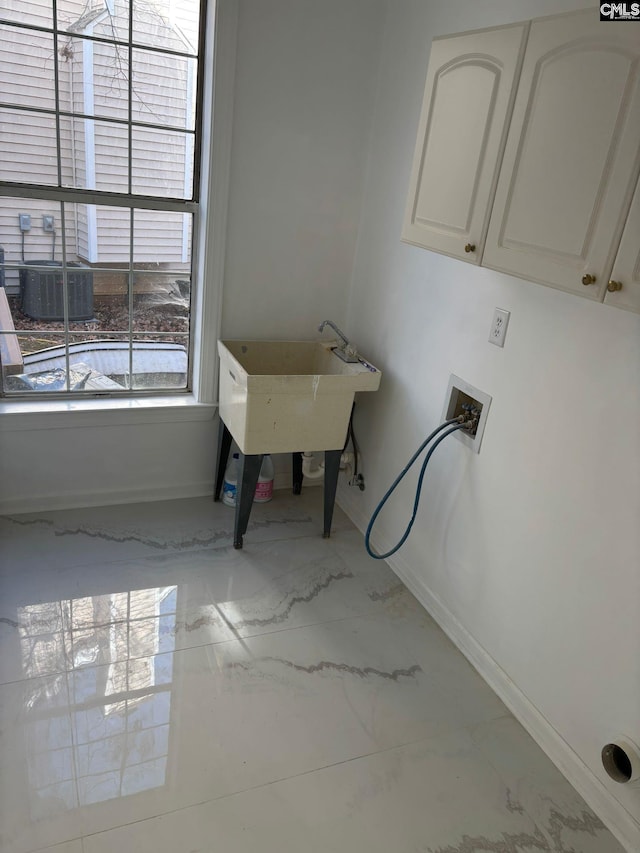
(264, 487)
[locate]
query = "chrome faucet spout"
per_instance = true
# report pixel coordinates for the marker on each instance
(347, 352)
(335, 329)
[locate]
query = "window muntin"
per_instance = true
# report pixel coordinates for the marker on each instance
(110, 303)
(115, 166)
(98, 713)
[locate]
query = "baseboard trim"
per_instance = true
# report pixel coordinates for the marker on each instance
(612, 813)
(74, 500)
(168, 492)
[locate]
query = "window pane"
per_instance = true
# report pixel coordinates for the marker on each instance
(100, 79)
(78, 15)
(26, 68)
(94, 154)
(111, 311)
(69, 14)
(23, 13)
(164, 23)
(43, 366)
(76, 279)
(102, 358)
(73, 140)
(167, 24)
(32, 244)
(161, 302)
(162, 163)
(43, 294)
(28, 150)
(162, 240)
(99, 235)
(11, 353)
(159, 364)
(164, 89)
(111, 157)
(110, 301)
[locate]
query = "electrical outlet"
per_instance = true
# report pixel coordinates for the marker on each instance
(459, 399)
(499, 327)
(25, 221)
(48, 223)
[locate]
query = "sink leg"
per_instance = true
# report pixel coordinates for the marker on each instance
(224, 446)
(331, 471)
(247, 481)
(296, 460)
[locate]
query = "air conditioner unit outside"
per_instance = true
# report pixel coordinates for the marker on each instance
(41, 291)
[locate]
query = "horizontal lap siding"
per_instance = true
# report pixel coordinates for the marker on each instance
(37, 243)
(29, 149)
(30, 139)
(158, 157)
(82, 232)
(33, 12)
(158, 237)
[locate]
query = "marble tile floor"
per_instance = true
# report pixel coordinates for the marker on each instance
(161, 692)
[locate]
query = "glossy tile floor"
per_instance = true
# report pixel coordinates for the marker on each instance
(162, 692)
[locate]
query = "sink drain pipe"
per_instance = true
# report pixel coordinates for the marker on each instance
(309, 472)
(315, 473)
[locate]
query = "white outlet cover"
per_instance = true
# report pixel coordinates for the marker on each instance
(499, 325)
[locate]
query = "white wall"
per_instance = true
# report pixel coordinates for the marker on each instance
(302, 112)
(88, 459)
(303, 105)
(530, 551)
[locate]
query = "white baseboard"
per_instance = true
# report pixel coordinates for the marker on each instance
(169, 492)
(612, 813)
(73, 500)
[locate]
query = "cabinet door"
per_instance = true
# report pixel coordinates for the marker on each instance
(469, 93)
(626, 268)
(571, 157)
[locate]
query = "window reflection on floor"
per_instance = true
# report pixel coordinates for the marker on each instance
(99, 727)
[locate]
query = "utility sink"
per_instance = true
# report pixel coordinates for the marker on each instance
(288, 396)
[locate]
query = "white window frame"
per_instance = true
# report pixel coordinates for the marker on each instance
(208, 251)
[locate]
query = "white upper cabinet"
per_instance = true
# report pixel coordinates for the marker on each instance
(571, 160)
(623, 287)
(469, 94)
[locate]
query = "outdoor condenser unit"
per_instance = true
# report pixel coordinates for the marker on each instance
(42, 292)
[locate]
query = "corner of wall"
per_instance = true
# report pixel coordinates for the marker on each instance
(607, 807)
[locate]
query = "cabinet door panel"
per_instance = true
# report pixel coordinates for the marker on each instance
(454, 150)
(468, 95)
(626, 269)
(571, 155)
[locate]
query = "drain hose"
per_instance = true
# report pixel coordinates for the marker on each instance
(453, 425)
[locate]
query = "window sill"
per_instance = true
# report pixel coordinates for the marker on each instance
(72, 414)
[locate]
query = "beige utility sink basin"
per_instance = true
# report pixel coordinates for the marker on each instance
(288, 396)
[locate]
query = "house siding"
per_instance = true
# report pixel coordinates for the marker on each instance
(28, 146)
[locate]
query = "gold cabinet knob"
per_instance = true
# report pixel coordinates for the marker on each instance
(470, 247)
(588, 278)
(614, 285)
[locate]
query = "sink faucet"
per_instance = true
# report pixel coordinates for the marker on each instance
(347, 352)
